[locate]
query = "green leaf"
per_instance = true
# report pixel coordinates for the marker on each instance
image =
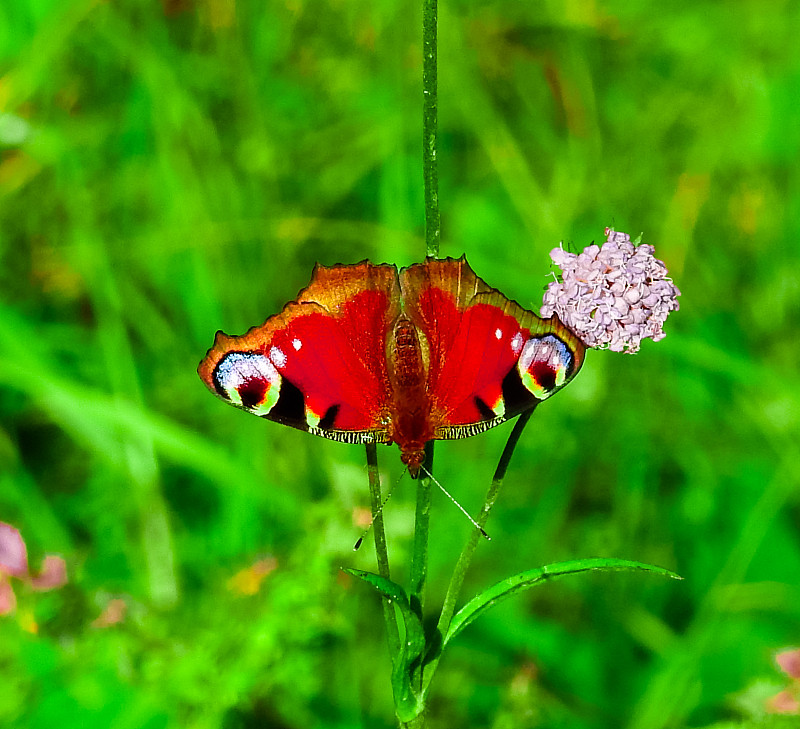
(408, 701)
(390, 590)
(524, 580)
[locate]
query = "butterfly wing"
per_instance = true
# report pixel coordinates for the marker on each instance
(320, 364)
(488, 358)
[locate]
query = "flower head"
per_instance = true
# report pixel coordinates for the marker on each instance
(14, 563)
(612, 295)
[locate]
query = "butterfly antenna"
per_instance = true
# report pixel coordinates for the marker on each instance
(463, 510)
(360, 540)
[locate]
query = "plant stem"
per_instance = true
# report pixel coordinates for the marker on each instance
(430, 169)
(419, 564)
(465, 559)
(430, 173)
(392, 631)
(419, 557)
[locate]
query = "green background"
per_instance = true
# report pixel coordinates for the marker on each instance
(172, 168)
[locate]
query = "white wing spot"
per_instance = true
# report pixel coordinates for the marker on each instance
(238, 368)
(498, 333)
(296, 343)
(278, 357)
(517, 343)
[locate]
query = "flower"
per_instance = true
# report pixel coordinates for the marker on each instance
(14, 563)
(612, 295)
(788, 700)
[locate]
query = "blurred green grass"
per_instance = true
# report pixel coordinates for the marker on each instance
(168, 169)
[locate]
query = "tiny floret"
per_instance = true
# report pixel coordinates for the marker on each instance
(612, 296)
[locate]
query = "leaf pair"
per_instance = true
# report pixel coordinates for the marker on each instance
(414, 648)
(408, 698)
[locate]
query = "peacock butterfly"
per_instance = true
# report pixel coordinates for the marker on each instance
(367, 354)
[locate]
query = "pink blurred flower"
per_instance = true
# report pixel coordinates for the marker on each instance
(14, 563)
(113, 613)
(612, 296)
(13, 553)
(788, 700)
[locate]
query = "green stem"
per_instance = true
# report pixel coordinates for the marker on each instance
(382, 553)
(419, 563)
(465, 559)
(430, 169)
(419, 557)
(430, 173)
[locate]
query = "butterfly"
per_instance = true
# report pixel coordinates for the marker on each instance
(370, 354)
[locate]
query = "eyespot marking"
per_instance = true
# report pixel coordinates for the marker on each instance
(249, 380)
(544, 365)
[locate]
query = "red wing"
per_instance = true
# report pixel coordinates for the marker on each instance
(489, 359)
(319, 365)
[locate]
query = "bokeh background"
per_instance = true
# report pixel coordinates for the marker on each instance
(172, 168)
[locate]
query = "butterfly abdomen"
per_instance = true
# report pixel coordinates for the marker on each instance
(411, 419)
(405, 358)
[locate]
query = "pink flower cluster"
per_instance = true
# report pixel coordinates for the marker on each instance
(14, 563)
(612, 296)
(788, 700)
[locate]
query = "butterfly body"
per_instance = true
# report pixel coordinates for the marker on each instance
(409, 424)
(369, 354)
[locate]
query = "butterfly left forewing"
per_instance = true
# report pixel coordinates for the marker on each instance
(489, 359)
(320, 364)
